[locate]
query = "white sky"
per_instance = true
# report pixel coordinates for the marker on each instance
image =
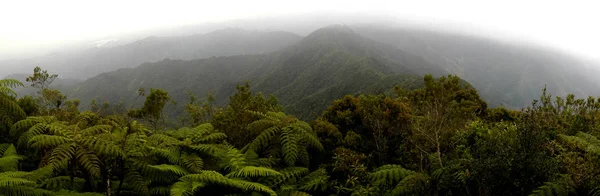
(36, 25)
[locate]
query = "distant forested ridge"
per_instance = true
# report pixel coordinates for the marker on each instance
(338, 60)
(504, 73)
(325, 65)
(92, 61)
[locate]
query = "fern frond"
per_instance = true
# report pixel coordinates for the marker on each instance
(10, 83)
(171, 154)
(102, 147)
(253, 172)
(561, 186)
(160, 190)
(23, 125)
(24, 191)
(264, 139)
(234, 160)
(316, 180)
(136, 182)
(252, 186)
(35, 130)
(289, 143)
(47, 141)
(192, 162)
(208, 149)
(98, 129)
(11, 108)
(64, 182)
(89, 161)
(390, 173)
(411, 185)
(61, 154)
(163, 139)
(170, 168)
(10, 163)
(213, 137)
(9, 182)
(289, 173)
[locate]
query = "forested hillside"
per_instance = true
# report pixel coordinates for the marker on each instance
(505, 73)
(338, 60)
(439, 139)
(93, 61)
(327, 64)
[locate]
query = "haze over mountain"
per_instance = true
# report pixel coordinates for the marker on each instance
(86, 63)
(329, 63)
(504, 73)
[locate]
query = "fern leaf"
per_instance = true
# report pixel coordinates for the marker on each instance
(289, 143)
(390, 173)
(253, 172)
(47, 141)
(314, 181)
(264, 139)
(561, 186)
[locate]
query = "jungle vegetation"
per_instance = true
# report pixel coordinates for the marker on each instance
(440, 139)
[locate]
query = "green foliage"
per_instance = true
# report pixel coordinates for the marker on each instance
(41, 78)
(292, 135)
(234, 119)
(7, 85)
(438, 140)
(152, 111)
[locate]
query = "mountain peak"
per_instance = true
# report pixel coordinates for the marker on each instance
(339, 31)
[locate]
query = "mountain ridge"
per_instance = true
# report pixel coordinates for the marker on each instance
(305, 76)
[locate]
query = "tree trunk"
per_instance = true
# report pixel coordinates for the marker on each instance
(108, 191)
(439, 155)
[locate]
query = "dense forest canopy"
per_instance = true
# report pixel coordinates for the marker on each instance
(440, 138)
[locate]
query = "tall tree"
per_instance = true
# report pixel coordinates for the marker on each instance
(152, 111)
(443, 107)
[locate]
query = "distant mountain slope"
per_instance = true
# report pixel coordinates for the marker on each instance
(63, 84)
(503, 73)
(94, 61)
(306, 77)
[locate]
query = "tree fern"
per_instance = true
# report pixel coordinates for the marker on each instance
(253, 172)
(560, 186)
(10, 112)
(10, 159)
(390, 174)
(6, 86)
(290, 134)
(192, 183)
(315, 181)
(289, 143)
(292, 174)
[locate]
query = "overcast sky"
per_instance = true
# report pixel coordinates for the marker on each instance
(28, 25)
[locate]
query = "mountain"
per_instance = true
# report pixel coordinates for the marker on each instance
(96, 60)
(504, 73)
(327, 64)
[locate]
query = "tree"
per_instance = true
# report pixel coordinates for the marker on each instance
(41, 79)
(152, 111)
(235, 118)
(200, 111)
(443, 107)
